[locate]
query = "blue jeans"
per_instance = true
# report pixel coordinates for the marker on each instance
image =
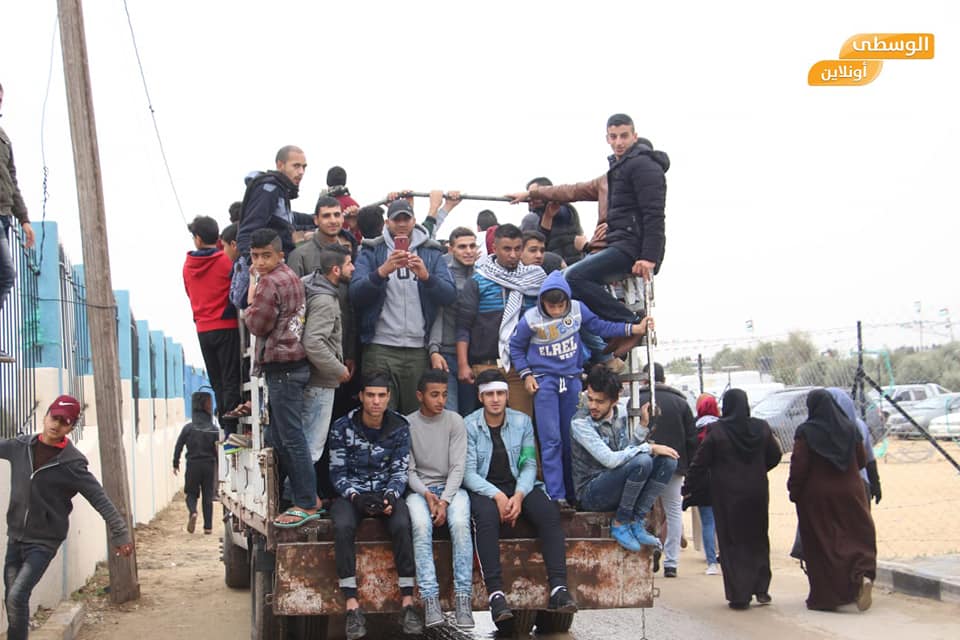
(7, 273)
(22, 570)
(595, 345)
(630, 489)
(589, 277)
(458, 521)
(461, 397)
(287, 433)
(317, 411)
(709, 530)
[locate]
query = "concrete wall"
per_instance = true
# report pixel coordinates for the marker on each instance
(154, 380)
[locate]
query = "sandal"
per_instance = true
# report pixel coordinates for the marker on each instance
(303, 516)
(242, 410)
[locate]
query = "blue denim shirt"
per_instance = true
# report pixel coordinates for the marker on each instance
(517, 434)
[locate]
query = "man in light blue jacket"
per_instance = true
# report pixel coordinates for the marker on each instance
(501, 479)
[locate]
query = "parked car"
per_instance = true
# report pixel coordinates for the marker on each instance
(785, 410)
(945, 427)
(923, 412)
(906, 396)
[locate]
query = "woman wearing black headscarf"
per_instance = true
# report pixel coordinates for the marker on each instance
(836, 530)
(734, 460)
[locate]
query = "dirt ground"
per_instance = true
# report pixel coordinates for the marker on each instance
(183, 595)
(181, 586)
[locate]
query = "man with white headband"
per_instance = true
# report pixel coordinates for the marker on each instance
(501, 479)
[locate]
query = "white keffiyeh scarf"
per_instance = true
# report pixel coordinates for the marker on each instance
(525, 280)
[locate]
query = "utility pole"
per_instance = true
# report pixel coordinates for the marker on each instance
(101, 306)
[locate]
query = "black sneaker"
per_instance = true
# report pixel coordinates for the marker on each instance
(656, 560)
(412, 623)
(562, 602)
(356, 624)
(669, 572)
(499, 610)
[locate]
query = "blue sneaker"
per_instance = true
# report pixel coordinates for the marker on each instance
(642, 536)
(622, 534)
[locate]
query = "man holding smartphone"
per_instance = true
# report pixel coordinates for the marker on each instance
(400, 281)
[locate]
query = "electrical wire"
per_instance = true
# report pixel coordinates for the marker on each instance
(153, 114)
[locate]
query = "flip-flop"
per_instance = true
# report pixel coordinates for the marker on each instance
(303, 515)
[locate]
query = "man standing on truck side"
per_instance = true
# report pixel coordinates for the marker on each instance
(438, 451)
(501, 478)
(275, 314)
(206, 277)
(676, 428)
(635, 226)
(369, 451)
(400, 281)
(200, 437)
(266, 205)
(611, 470)
(46, 472)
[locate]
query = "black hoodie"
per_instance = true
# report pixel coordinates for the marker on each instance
(41, 500)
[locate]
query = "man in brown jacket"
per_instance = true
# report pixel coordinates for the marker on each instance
(591, 191)
(11, 206)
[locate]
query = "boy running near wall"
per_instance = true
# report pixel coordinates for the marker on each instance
(200, 436)
(549, 355)
(46, 472)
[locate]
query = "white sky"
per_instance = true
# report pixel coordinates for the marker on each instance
(799, 207)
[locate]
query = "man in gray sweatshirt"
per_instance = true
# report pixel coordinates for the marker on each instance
(400, 281)
(46, 472)
(461, 396)
(323, 340)
(438, 452)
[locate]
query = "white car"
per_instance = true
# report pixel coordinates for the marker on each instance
(947, 426)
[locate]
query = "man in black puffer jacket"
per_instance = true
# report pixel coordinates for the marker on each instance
(674, 427)
(635, 223)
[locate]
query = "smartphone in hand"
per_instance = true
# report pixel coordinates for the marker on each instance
(401, 243)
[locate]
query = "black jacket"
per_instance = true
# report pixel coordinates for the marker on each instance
(200, 437)
(41, 501)
(675, 426)
(266, 204)
(636, 198)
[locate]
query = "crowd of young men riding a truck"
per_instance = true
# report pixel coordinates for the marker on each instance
(427, 382)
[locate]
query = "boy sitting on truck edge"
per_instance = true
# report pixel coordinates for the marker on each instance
(549, 355)
(501, 480)
(46, 472)
(612, 471)
(438, 451)
(369, 450)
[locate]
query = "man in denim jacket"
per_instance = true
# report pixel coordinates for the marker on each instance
(501, 479)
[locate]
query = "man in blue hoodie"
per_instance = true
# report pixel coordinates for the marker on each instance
(549, 355)
(46, 472)
(400, 281)
(635, 225)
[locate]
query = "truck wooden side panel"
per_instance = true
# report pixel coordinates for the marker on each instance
(600, 574)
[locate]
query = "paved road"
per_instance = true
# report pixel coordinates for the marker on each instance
(184, 597)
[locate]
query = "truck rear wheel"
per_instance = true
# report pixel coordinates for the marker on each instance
(236, 560)
(520, 626)
(553, 622)
(263, 624)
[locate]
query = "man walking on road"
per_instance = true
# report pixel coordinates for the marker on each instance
(200, 437)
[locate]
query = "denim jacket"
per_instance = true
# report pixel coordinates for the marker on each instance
(517, 434)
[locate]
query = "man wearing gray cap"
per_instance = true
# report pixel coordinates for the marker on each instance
(400, 281)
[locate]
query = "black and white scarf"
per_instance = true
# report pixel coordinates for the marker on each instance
(525, 280)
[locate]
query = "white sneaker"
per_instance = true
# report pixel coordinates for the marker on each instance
(712, 570)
